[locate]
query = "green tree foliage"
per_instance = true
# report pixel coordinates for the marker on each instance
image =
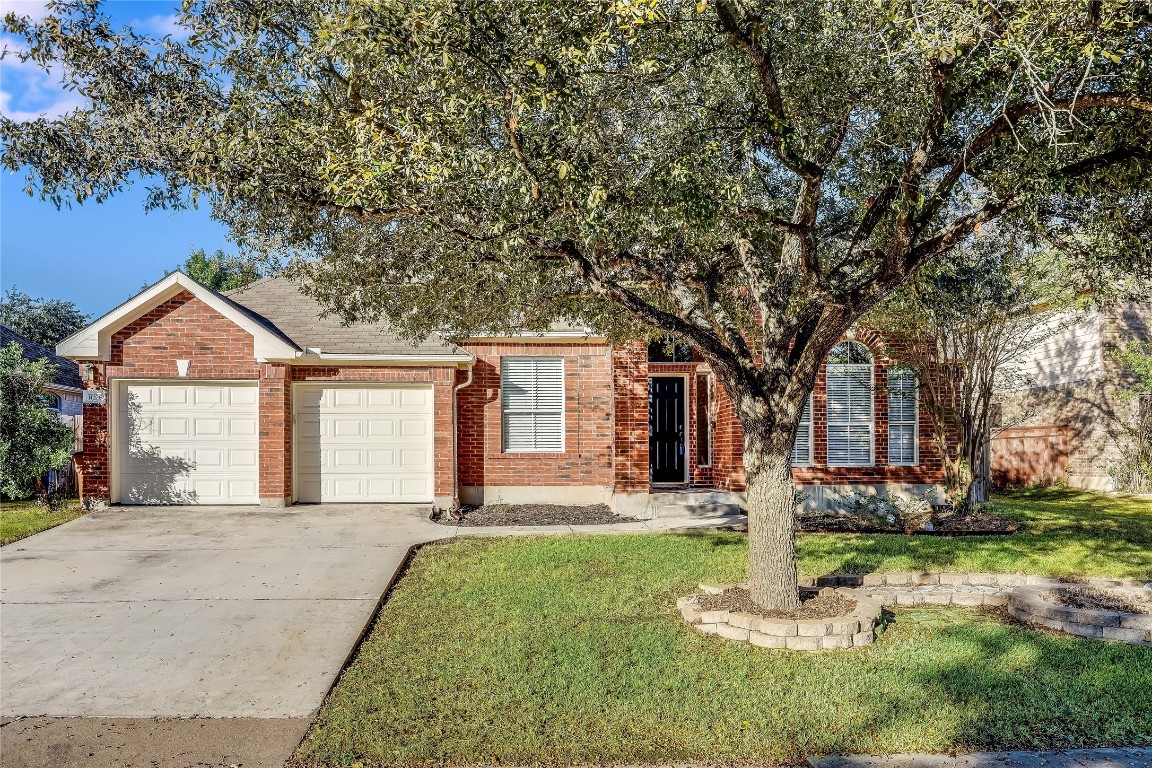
(750, 177)
(44, 321)
(963, 323)
(220, 271)
(1134, 470)
(33, 439)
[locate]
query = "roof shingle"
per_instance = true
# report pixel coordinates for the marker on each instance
(281, 303)
(67, 373)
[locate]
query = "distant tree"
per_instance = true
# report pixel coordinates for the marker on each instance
(963, 325)
(33, 439)
(1133, 472)
(220, 271)
(750, 177)
(44, 321)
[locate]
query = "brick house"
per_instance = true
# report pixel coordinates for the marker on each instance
(1072, 422)
(254, 398)
(64, 393)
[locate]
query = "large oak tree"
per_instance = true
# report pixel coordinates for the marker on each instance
(749, 176)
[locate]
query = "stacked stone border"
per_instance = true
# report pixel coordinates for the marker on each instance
(873, 592)
(851, 631)
(1029, 605)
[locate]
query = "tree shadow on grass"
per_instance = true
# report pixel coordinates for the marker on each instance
(1022, 688)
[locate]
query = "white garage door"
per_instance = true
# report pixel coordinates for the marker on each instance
(188, 443)
(363, 444)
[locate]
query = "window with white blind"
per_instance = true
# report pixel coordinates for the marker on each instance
(532, 404)
(851, 422)
(802, 447)
(903, 409)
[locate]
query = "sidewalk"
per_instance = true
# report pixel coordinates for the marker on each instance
(1127, 757)
(657, 525)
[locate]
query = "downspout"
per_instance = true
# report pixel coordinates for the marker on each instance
(456, 433)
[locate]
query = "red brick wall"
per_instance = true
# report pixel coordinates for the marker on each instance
(93, 474)
(183, 328)
(729, 438)
(630, 395)
(589, 425)
(727, 444)
(275, 432)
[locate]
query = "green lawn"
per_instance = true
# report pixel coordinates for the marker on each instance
(20, 519)
(568, 650)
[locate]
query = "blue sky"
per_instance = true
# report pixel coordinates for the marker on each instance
(94, 255)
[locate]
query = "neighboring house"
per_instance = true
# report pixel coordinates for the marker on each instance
(1069, 424)
(66, 391)
(253, 397)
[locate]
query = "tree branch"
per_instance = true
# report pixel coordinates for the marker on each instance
(760, 56)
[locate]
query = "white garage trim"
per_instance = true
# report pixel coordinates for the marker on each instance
(236, 453)
(363, 442)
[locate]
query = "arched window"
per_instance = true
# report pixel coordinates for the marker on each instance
(851, 422)
(903, 416)
(51, 400)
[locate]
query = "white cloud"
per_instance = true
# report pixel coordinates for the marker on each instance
(36, 9)
(62, 105)
(163, 25)
(27, 91)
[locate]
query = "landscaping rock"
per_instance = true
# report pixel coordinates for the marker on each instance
(861, 621)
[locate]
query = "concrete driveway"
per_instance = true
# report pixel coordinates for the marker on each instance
(194, 611)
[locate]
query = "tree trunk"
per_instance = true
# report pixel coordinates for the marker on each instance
(771, 503)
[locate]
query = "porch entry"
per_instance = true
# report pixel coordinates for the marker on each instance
(666, 429)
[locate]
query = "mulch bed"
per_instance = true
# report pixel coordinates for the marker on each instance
(813, 605)
(533, 514)
(1092, 599)
(945, 522)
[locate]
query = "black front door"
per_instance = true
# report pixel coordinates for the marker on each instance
(666, 429)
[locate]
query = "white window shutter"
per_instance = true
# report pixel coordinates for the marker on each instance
(802, 448)
(850, 415)
(903, 412)
(532, 404)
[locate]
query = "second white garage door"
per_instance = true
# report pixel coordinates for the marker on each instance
(363, 444)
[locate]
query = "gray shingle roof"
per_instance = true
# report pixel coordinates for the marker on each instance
(67, 374)
(279, 302)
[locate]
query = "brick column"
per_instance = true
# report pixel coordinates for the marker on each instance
(92, 463)
(275, 435)
(443, 442)
(630, 446)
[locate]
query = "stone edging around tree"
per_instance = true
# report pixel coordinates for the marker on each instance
(1028, 604)
(873, 592)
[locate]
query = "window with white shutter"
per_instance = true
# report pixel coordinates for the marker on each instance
(532, 404)
(903, 410)
(802, 448)
(851, 422)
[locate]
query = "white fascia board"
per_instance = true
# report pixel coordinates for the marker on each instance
(66, 390)
(353, 358)
(95, 341)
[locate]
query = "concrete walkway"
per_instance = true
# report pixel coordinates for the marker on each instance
(1132, 757)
